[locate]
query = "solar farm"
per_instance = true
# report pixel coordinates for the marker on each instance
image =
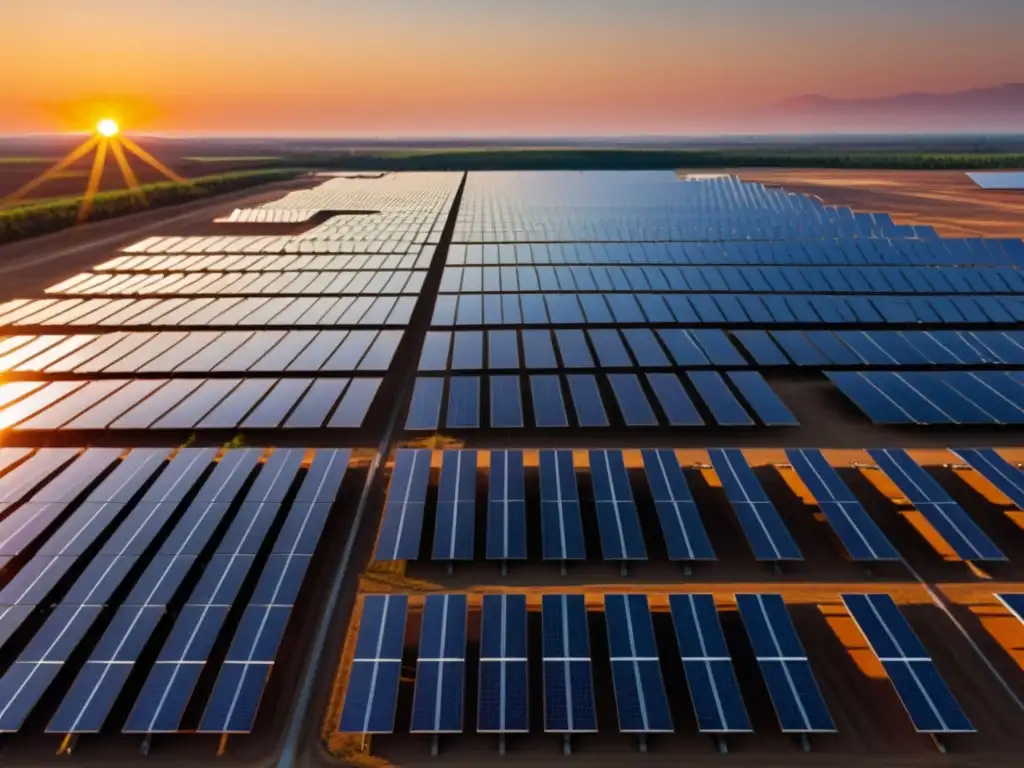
(515, 467)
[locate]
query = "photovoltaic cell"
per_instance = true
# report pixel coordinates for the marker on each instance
(456, 507)
(402, 524)
(568, 683)
(681, 525)
(506, 507)
(617, 517)
(561, 520)
(503, 698)
(636, 670)
(441, 666)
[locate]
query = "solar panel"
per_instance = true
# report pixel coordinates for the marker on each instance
(402, 525)
(796, 697)
(506, 507)
(568, 684)
(161, 703)
(441, 666)
(503, 702)
(636, 671)
(863, 539)
(617, 517)
(766, 404)
(997, 470)
(684, 532)
(548, 406)
(463, 402)
(945, 515)
(919, 685)
(1014, 603)
(506, 402)
(632, 401)
(722, 403)
(99, 682)
(768, 536)
(425, 408)
(714, 689)
(371, 697)
(561, 521)
(456, 507)
(233, 705)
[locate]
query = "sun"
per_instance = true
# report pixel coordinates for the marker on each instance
(107, 128)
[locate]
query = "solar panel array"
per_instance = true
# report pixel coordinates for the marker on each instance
(600, 349)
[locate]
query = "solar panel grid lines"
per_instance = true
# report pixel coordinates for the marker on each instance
(947, 517)
(238, 690)
(503, 698)
(640, 696)
(506, 507)
(161, 703)
(766, 532)
(561, 518)
(1007, 478)
(440, 666)
(682, 528)
(707, 664)
(372, 692)
(795, 694)
(617, 516)
(456, 506)
(924, 694)
(860, 535)
(402, 523)
(99, 682)
(568, 682)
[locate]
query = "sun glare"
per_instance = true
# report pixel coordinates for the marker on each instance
(107, 128)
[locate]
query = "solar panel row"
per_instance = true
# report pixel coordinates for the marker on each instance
(189, 403)
(253, 312)
(275, 262)
(642, 701)
(505, 405)
(350, 283)
(747, 279)
(763, 309)
(934, 397)
(737, 249)
(204, 352)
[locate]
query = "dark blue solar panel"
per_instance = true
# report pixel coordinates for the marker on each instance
(636, 672)
(683, 348)
(924, 693)
(538, 351)
(997, 470)
(611, 352)
(674, 401)
(502, 350)
(761, 347)
(798, 702)
(617, 517)
(717, 347)
(434, 356)
(425, 408)
(568, 683)
(572, 346)
(561, 521)
(441, 666)
(766, 404)
(646, 349)
(372, 693)
(463, 402)
(767, 534)
(506, 402)
(402, 525)
(632, 401)
(503, 700)
(859, 533)
(719, 399)
(870, 398)
(714, 689)
(506, 507)
(548, 406)
(684, 532)
(456, 507)
(586, 400)
(944, 514)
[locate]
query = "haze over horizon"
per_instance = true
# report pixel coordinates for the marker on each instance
(460, 68)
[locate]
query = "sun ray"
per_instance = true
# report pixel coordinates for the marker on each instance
(95, 176)
(147, 158)
(130, 180)
(73, 157)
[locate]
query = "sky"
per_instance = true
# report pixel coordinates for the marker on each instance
(481, 67)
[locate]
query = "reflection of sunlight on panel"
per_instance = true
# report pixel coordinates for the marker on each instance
(849, 634)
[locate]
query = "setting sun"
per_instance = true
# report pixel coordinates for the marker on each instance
(107, 128)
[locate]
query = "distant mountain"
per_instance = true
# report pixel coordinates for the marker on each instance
(997, 108)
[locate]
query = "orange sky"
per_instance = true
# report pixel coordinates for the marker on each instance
(400, 67)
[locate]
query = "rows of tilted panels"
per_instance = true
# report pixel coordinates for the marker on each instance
(504, 207)
(109, 556)
(625, 521)
(495, 632)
